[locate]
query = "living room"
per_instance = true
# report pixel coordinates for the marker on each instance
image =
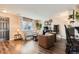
(35, 29)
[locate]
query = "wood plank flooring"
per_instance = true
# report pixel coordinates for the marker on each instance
(10, 47)
(30, 47)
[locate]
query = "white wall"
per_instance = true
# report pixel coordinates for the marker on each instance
(61, 19)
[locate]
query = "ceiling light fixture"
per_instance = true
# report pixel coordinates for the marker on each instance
(5, 11)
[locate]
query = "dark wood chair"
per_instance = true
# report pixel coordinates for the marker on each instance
(72, 45)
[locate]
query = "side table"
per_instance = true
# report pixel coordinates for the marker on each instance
(18, 37)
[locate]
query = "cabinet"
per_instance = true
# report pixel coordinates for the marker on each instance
(56, 29)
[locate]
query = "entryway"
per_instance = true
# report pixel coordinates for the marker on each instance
(4, 28)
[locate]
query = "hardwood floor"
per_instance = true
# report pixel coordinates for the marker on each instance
(10, 47)
(30, 47)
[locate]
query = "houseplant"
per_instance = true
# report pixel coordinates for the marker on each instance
(38, 26)
(74, 15)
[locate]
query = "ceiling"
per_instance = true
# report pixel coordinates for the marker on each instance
(36, 11)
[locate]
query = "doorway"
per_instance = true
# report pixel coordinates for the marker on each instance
(4, 28)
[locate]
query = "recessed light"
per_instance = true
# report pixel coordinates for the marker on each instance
(5, 11)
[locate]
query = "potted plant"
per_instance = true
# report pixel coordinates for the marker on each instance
(38, 26)
(75, 14)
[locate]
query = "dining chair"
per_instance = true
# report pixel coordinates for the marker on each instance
(72, 46)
